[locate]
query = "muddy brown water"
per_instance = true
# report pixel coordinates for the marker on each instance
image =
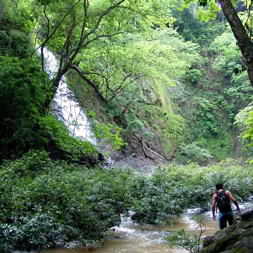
(133, 238)
(130, 237)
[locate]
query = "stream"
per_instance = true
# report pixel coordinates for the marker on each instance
(130, 237)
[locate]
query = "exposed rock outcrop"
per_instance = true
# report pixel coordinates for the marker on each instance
(237, 238)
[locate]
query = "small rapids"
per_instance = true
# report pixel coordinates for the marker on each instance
(131, 237)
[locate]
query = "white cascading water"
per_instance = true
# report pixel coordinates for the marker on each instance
(131, 230)
(65, 106)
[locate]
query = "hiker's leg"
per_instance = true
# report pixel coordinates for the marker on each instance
(222, 221)
(230, 219)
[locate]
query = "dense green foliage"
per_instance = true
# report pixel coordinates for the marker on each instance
(128, 59)
(25, 90)
(189, 26)
(216, 90)
(53, 202)
(244, 119)
(23, 96)
(151, 76)
(26, 93)
(56, 139)
(133, 74)
(170, 190)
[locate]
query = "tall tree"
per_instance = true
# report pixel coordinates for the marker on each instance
(240, 29)
(70, 27)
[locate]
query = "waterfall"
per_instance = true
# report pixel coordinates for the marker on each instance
(65, 106)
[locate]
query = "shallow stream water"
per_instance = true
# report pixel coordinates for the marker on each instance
(130, 237)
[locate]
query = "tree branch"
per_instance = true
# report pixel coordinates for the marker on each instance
(84, 36)
(90, 82)
(122, 86)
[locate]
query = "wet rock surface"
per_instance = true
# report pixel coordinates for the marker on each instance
(237, 238)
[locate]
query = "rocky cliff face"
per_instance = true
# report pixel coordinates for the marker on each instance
(237, 238)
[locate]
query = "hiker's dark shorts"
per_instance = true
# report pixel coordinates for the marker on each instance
(225, 218)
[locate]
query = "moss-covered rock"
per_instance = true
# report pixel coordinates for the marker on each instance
(237, 238)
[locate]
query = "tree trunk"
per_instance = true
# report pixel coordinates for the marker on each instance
(243, 40)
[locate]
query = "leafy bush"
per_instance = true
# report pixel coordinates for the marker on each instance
(14, 39)
(24, 92)
(109, 133)
(30, 164)
(194, 153)
(53, 202)
(193, 76)
(228, 58)
(155, 200)
(173, 189)
(55, 137)
(245, 120)
(38, 232)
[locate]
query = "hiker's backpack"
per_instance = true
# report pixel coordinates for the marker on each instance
(223, 202)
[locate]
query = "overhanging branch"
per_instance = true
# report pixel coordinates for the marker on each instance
(90, 82)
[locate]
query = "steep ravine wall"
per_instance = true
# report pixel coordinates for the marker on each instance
(139, 152)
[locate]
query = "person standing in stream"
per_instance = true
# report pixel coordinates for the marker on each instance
(221, 200)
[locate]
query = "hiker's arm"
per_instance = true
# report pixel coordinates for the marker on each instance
(234, 201)
(214, 205)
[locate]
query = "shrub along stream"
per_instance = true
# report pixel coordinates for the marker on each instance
(46, 203)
